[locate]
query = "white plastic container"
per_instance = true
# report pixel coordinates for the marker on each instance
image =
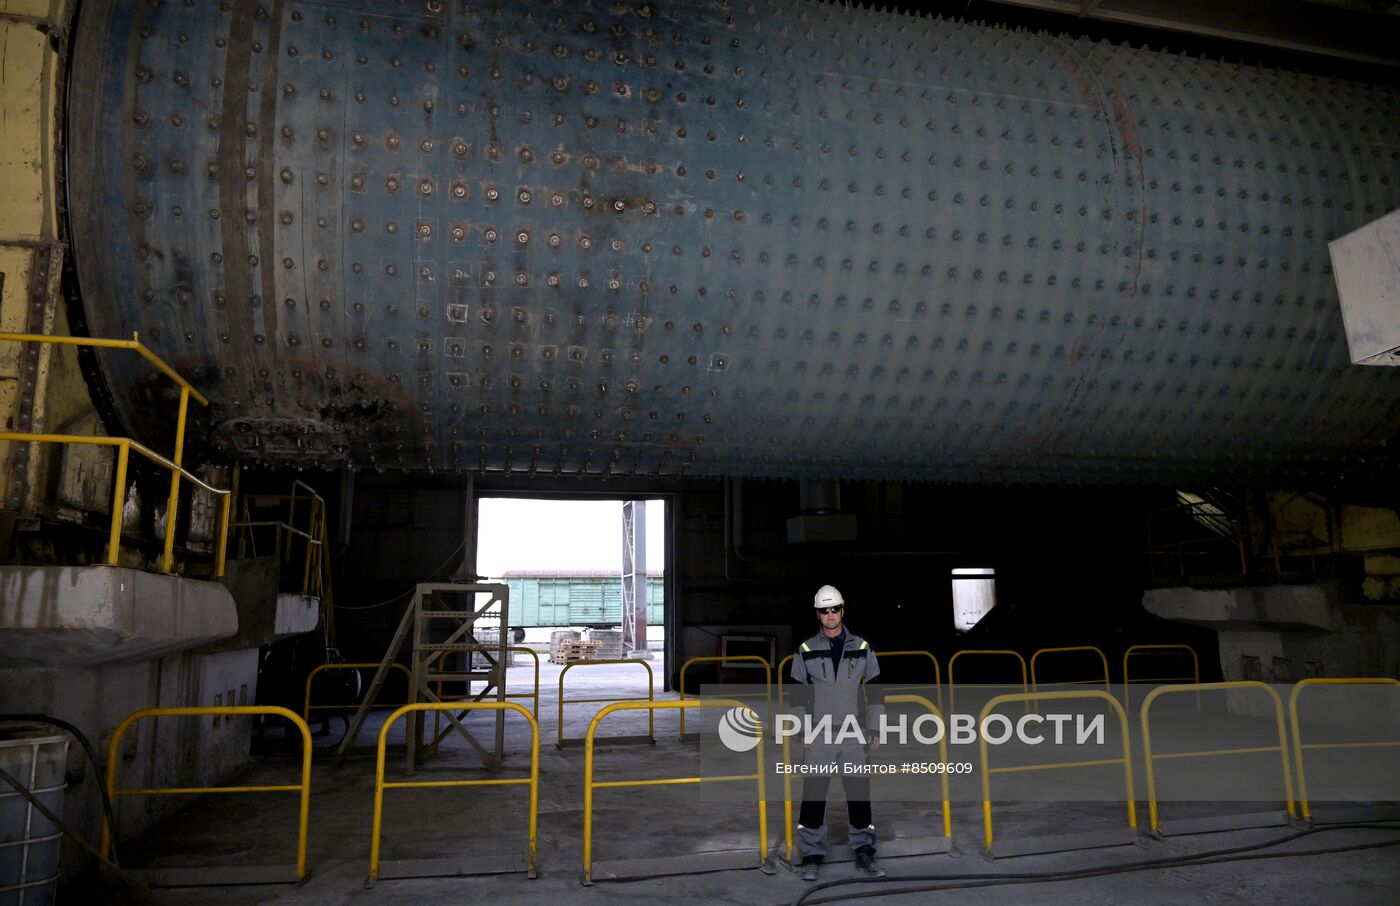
(29, 843)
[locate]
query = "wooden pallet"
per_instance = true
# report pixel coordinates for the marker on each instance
(568, 652)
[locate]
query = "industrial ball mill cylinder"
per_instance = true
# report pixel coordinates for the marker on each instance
(769, 238)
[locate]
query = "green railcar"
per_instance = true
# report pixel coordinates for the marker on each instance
(575, 598)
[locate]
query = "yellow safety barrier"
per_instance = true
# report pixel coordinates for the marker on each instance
(711, 659)
(304, 788)
(126, 445)
(307, 707)
(380, 784)
(1149, 758)
(1004, 652)
(1298, 745)
(651, 694)
(1036, 697)
(942, 757)
(589, 784)
(1068, 649)
(937, 672)
(782, 671)
(315, 575)
(1194, 677)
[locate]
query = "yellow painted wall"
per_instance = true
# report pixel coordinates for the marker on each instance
(1366, 529)
(30, 90)
(1303, 521)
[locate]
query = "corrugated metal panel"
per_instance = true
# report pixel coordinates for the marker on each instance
(656, 600)
(612, 600)
(563, 600)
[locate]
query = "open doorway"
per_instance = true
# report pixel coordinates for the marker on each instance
(587, 581)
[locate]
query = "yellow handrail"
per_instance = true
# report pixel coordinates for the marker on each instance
(1037, 697)
(304, 788)
(380, 784)
(1195, 676)
(1298, 745)
(711, 659)
(315, 536)
(952, 686)
(307, 707)
(1149, 758)
(651, 707)
(937, 672)
(1107, 683)
(133, 344)
(124, 447)
(270, 523)
(187, 391)
(781, 664)
(651, 693)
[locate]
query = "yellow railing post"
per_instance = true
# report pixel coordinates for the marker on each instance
(1149, 757)
(380, 784)
(1103, 658)
(937, 672)
(286, 551)
(304, 788)
(787, 799)
(711, 659)
(782, 664)
(307, 707)
(173, 507)
(114, 540)
(651, 693)
(1028, 697)
(1007, 652)
(124, 446)
(221, 546)
(589, 785)
(1298, 746)
(306, 562)
(1195, 676)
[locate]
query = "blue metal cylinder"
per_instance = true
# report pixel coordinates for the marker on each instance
(771, 238)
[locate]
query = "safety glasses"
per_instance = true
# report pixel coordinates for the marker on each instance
(836, 609)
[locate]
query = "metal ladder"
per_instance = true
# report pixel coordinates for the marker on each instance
(431, 607)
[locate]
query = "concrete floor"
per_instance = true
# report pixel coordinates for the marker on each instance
(258, 829)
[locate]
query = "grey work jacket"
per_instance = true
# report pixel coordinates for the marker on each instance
(823, 690)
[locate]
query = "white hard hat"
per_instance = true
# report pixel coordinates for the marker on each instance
(828, 596)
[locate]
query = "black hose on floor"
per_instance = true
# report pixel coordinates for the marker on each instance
(935, 883)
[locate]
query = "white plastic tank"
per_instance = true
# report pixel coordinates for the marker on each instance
(29, 843)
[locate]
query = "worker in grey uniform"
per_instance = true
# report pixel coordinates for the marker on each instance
(829, 669)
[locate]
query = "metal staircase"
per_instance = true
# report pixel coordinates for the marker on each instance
(441, 620)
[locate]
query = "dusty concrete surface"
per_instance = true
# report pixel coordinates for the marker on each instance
(84, 615)
(673, 822)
